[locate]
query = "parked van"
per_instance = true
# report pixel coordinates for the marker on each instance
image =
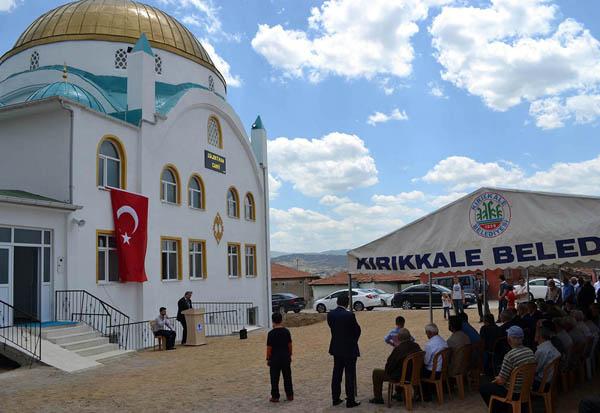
(466, 280)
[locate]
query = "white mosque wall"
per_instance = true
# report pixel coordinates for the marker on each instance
(181, 140)
(98, 57)
(34, 150)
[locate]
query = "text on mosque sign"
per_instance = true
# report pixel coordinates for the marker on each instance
(214, 162)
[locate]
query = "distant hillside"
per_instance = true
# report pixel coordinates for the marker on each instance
(316, 263)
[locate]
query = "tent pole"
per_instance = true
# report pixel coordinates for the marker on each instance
(484, 287)
(527, 281)
(430, 301)
(350, 292)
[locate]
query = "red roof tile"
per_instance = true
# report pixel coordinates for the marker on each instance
(282, 272)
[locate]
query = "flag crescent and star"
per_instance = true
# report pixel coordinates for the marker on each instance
(130, 215)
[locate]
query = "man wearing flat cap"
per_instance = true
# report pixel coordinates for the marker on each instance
(516, 357)
(393, 367)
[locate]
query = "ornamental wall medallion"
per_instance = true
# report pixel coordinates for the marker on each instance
(218, 228)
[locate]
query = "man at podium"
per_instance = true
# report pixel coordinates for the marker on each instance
(184, 303)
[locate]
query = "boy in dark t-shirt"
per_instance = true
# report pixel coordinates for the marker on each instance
(279, 358)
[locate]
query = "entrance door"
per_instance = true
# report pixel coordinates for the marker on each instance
(26, 283)
(5, 273)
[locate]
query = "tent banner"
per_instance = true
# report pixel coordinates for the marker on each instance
(489, 229)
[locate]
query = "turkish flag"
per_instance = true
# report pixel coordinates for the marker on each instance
(130, 214)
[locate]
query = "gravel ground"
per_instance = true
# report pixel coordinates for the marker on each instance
(227, 375)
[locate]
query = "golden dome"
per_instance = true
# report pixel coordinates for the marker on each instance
(113, 20)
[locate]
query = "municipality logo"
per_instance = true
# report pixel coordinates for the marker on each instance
(489, 215)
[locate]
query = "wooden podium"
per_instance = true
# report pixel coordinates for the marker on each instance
(196, 329)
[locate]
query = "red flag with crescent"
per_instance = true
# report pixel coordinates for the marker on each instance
(130, 214)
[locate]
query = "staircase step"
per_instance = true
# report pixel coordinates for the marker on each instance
(111, 355)
(79, 345)
(103, 348)
(50, 333)
(74, 337)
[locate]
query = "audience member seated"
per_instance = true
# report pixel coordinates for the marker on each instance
(468, 329)
(391, 337)
(566, 341)
(489, 332)
(577, 335)
(545, 354)
(580, 323)
(508, 318)
(457, 339)
(526, 323)
(516, 357)
(164, 328)
(589, 404)
(393, 366)
(533, 312)
(434, 345)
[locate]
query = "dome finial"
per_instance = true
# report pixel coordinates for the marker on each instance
(64, 75)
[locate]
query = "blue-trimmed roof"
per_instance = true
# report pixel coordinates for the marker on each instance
(68, 91)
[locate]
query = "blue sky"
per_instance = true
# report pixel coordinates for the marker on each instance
(380, 111)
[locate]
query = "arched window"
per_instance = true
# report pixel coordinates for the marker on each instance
(215, 138)
(249, 207)
(112, 164)
(196, 192)
(233, 203)
(34, 62)
(169, 185)
(211, 83)
(121, 59)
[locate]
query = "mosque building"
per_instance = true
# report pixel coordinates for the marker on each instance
(98, 95)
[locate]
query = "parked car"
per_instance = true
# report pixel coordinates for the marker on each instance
(467, 282)
(539, 286)
(417, 296)
(384, 296)
(361, 299)
(284, 302)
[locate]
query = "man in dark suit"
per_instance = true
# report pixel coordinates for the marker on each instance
(184, 303)
(345, 333)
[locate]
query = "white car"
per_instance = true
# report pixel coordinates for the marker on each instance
(384, 296)
(361, 299)
(539, 286)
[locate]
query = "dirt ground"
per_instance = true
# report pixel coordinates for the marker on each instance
(228, 375)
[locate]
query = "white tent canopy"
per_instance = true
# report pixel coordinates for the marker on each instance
(489, 229)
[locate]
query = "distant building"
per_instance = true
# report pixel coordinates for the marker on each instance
(288, 280)
(387, 282)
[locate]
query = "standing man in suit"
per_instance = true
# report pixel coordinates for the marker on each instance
(345, 333)
(184, 303)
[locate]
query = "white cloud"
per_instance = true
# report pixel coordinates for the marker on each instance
(439, 201)
(274, 186)
(461, 172)
(573, 177)
(350, 38)
(8, 5)
(335, 163)
(202, 14)
(379, 117)
(512, 51)
(436, 90)
(347, 224)
(221, 64)
(553, 112)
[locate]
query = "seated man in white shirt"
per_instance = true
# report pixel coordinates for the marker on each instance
(434, 345)
(164, 328)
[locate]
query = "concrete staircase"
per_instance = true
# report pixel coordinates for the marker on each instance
(84, 341)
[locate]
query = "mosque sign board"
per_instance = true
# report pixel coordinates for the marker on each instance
(214, 162)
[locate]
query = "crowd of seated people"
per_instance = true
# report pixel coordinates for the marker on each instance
(548, 345)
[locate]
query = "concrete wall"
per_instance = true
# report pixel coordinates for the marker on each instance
(34, 151)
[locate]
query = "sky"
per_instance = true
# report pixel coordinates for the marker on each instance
(381, 111)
